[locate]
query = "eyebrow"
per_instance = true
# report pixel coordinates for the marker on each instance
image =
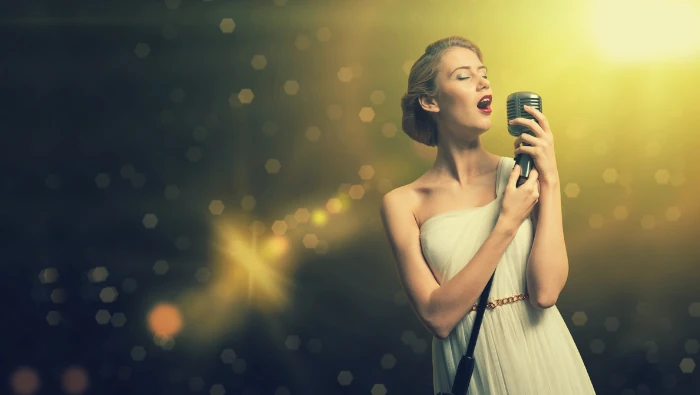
(468, 68)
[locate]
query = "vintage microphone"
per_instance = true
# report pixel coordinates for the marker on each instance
(514, 108)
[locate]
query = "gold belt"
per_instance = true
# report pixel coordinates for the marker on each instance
(500, 302)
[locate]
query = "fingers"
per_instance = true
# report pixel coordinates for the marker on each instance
(530, 124)
(541, 119)
(527, 149)
(532, 179)
(514, 174)
(526, 138)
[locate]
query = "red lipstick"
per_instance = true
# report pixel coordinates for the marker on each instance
(484, 105)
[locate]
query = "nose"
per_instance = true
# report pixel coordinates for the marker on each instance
(484, 83)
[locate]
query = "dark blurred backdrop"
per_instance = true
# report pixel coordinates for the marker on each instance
(190, 189)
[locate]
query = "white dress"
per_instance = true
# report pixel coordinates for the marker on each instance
(520, 349)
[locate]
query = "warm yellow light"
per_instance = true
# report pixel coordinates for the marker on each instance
(627, 30)
(334, 205)
(319, 218)
(275, 247)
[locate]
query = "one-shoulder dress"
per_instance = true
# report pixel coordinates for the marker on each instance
(520, 349)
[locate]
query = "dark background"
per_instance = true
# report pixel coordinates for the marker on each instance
(101, 134)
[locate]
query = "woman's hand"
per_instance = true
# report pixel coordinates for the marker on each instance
(518, 202)
(541, 145)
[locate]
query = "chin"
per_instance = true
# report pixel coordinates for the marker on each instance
(480, 125)
(484, 126)
(472, 126)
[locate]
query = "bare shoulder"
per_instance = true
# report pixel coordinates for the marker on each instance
(401, 228)
(400, 201)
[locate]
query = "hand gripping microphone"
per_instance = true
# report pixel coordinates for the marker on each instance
(514, 107)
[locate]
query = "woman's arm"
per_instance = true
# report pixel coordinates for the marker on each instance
(439, 306)
(548, 264)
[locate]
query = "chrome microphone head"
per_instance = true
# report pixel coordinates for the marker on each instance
(514, 109)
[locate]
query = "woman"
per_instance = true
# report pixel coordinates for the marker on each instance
(453, 226)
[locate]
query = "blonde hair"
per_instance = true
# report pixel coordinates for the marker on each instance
(416, 122)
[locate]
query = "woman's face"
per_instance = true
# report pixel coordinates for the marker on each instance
(462, 93)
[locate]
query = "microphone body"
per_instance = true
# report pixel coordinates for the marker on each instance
(514, 107)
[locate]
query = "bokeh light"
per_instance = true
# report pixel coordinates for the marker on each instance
(165, 320)
(75, 380)
(25, 381)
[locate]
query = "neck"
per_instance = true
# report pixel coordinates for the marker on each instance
(462, 161)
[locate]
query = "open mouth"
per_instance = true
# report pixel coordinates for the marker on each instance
(485, 104)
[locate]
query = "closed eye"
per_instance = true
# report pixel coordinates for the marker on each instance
(463, 77)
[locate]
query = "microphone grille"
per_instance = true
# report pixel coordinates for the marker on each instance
(514, 109)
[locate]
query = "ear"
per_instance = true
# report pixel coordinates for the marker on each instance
(428, 104)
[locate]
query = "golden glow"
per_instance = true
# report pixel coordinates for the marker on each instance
(627, 30)
(615, 117)
(302, 215)
(319, 218)
(275, 247)
(356, 192)
(279, 228)
(241, 257)
(246, 276)
(334, 205)
(310, 240)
